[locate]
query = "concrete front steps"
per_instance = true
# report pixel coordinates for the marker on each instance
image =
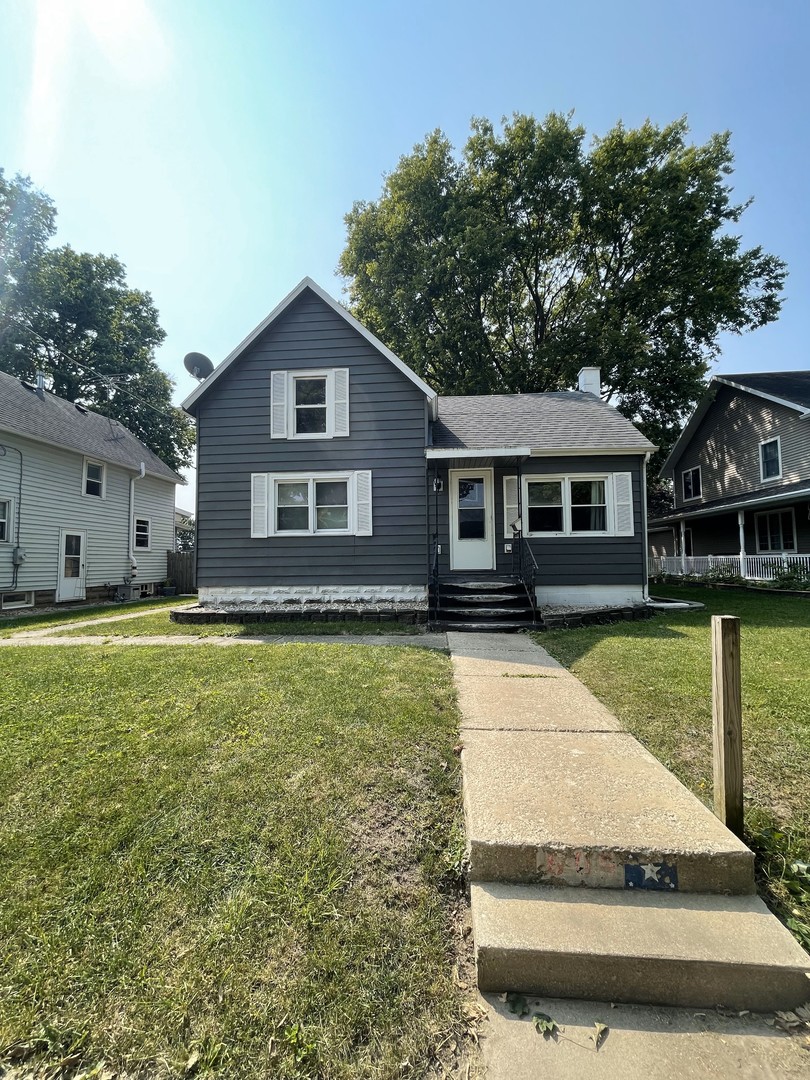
(595, 874)
(474, 605)
(645, 948)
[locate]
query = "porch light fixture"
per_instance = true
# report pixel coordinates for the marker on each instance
(438, 485)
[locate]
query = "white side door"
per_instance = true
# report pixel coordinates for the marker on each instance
(71, 573)
(472, 531)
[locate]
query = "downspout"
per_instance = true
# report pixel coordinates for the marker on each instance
(133, 562)
(645, 550)
(17, 554)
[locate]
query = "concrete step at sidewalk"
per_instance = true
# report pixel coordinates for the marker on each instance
(590, 808)
(654, 948)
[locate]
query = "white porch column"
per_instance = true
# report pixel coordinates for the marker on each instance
(741, 527)
(683, 546)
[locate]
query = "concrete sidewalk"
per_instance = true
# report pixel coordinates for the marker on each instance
(597, 878)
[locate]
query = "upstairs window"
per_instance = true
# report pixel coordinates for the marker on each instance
(5, 520)
(94, 479)
(770, 459)
(692, 487)
(309, 404)
(142, 534)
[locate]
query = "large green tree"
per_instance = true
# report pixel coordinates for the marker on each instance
(73, 316)
(507, 267)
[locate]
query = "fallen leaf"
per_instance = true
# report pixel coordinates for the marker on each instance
(600, 1034)
(547, 1027)
(517, 1004)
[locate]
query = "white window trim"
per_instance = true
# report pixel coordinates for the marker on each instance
(135, 546)
(354, 499)
(782, 550)
(283, 408)
(27, 602)
(691, 498)
(765, 442)
(9, 520)
(103, 465)
(566, 480)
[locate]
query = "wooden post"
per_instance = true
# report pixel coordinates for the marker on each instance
(727, 717)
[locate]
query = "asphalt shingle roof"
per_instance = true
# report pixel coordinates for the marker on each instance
(789, 385)
(566, 420)
(53, 420)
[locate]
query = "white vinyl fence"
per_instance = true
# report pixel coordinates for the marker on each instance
(758, 567)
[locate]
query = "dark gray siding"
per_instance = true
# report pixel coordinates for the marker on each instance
(726, 447)
(563, 560)
(387, 435)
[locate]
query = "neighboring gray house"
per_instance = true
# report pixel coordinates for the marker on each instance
(327, 469)
(741, 477)
(84, 505)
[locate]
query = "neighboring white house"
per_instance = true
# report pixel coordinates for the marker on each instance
(86, 509)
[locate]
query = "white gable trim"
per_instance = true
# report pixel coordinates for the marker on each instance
(702, 407)
(347, 317)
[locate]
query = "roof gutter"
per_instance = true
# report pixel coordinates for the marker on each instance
(433, 453)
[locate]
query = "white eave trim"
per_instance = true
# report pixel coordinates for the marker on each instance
(442, 453)
(589, 451)
(278, 310)
(729, 508)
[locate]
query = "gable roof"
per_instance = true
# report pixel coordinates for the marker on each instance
(57, 422)
(548, 423)
(788, 388)
(277, 312)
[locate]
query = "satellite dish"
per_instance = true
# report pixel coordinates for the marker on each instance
(198, 365)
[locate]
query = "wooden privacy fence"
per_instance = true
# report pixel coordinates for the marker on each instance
(180, 570)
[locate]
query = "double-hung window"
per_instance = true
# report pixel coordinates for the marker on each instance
(5, 520)
(94, 479)
(692, 487)
(770, 459)
(292, 504)
(142, 534)
(776, 531)
(309, 404)
(571, 505)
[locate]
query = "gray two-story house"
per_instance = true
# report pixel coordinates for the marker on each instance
(328, 470)
(86, 510)
(741, 477)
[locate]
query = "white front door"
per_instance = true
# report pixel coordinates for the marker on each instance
(472, 531)
(71, 573)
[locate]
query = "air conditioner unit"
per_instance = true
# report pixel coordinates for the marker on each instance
(129, 592)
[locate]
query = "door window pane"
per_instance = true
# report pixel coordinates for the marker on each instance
(73, 544)
(471, 508)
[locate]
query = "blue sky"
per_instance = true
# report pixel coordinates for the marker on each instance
(216, 147)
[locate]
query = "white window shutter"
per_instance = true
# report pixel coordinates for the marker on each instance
(623, 503)
(258, 504)
(341, 414)
(362, 495)
(278, 405)
(510, 504)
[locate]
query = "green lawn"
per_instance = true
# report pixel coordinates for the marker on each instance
(237, 863)
(18, 623)
(656, 677)
(160, 623)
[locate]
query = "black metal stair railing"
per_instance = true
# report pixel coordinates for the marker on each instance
(527, 567)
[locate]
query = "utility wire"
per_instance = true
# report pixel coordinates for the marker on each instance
(107, 379)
